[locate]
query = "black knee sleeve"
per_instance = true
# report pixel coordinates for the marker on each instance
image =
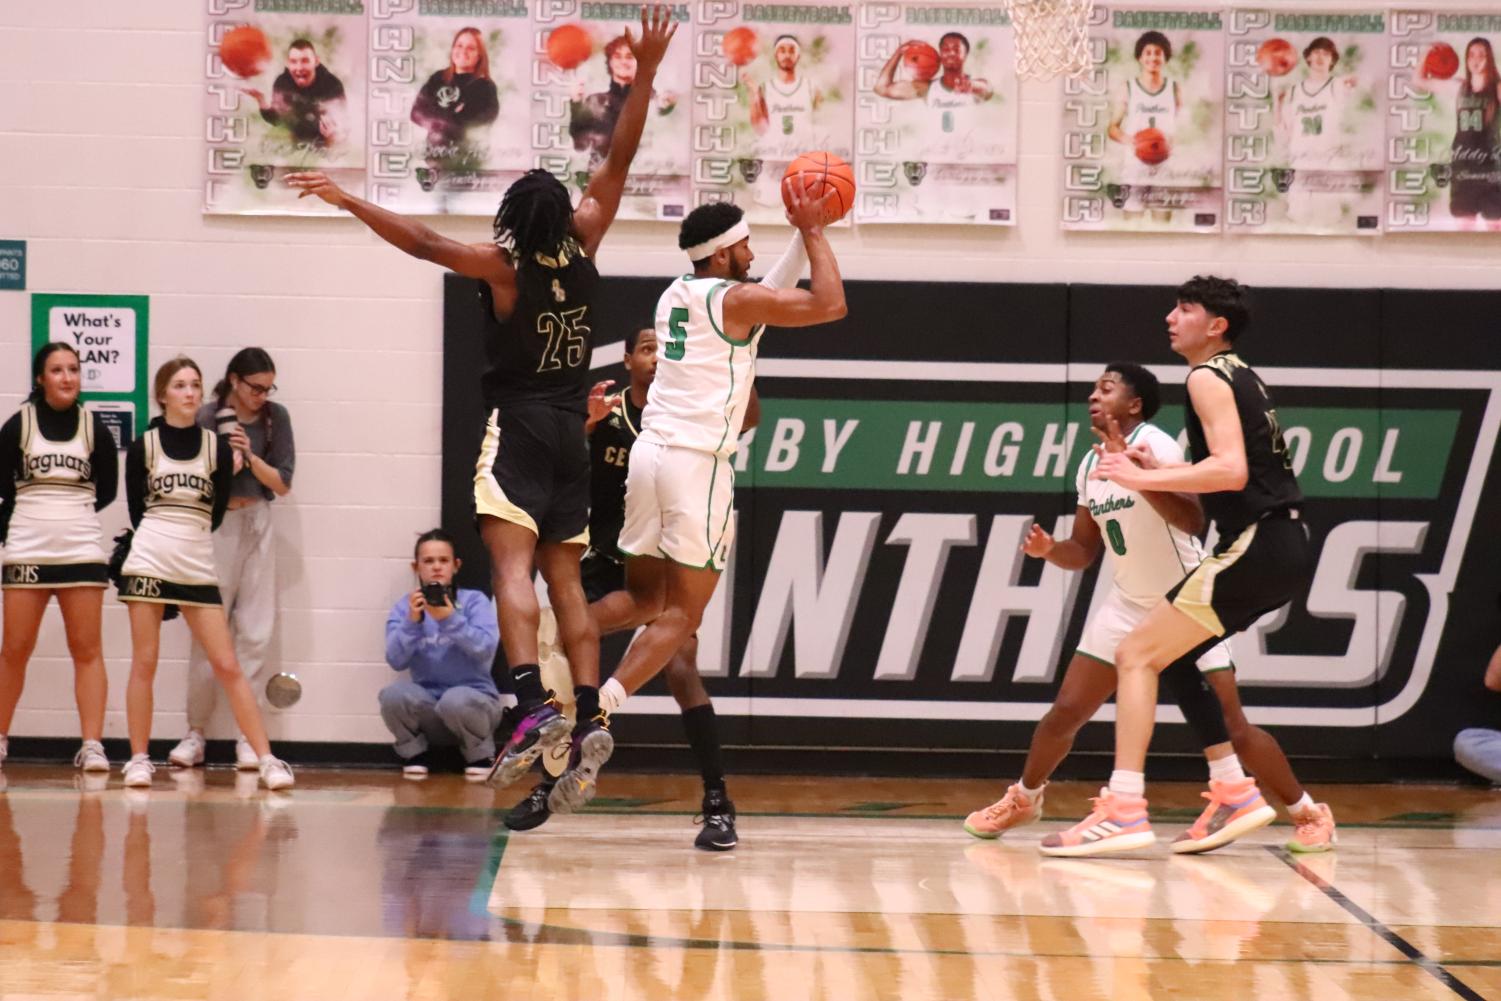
(1201, 707)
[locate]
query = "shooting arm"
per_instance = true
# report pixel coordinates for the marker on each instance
(748, 305)
(789, 267)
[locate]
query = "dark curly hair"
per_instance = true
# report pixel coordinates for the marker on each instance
(535, 216)
(706, 222)
(1222, 297)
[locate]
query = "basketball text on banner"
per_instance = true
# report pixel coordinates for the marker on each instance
(1142, 127)
(936, 114)
(770, 81)
(1304, 121)
(284, 90)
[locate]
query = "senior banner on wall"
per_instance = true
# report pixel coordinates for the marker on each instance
(1142, 130)
(771, 81)
(1305, 127)
(582, 74)
(449, 98)
(936, 119)
(284, 90)
(1443, 164)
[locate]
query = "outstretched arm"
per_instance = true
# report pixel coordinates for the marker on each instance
(752, 304)
(474, 260)
(602, 197)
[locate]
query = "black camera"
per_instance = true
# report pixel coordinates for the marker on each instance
(435, 594)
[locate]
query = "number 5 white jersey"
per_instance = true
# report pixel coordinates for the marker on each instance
(1149, 555)
(703, 381)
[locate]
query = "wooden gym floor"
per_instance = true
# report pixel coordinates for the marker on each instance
(362, 885)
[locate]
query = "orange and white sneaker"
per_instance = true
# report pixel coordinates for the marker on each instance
(1314, 830)
(1118, 823)
(1235, 809)
(1015, 809)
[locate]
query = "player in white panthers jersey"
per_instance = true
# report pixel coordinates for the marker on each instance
(954, 96)
(1311, 112)
(782, 112)
(1147, 100)
(1152, 546)
(679, 493)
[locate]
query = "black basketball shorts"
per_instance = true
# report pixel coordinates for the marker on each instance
(533, 471)
(1258, 571)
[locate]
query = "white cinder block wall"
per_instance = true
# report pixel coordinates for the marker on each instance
(101, 156)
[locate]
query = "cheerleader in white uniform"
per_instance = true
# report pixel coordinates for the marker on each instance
(177, 481)
(57, 469)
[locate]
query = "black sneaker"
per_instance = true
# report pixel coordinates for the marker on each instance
(532, 811)
(718, 819)
(417, 766)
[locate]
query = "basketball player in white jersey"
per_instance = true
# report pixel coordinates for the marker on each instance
(1151, 538)
(1309, 122)
(953, 95)
(680, 490)
(782, 107)
(1148, 100)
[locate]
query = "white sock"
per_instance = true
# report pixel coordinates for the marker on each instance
(612, 696)
(1302, 806)
(1128, 783)
(1226, 769)
(1030, 793)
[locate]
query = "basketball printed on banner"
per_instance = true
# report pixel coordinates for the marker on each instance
(741, 45)
(1277, 57)
(823, 172)
(244, 51)
(1151, 146)
(921, 60)
(1441, 62)
(568, 46)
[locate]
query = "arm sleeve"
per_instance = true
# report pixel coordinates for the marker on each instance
(224, 474)
(789, 267)
(402, 636)
(473, 629)
(282, 453)
(105, 462)
(10, 461)
(135, 481)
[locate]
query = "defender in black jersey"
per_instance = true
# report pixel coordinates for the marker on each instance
(614, 423)
(1244, 475)
(532, 480)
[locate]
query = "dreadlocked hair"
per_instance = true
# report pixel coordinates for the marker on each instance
(534, 216)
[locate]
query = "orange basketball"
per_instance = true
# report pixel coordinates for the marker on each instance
(568, 45)
(823, 172)
(1441, 62)
(741, 45)
(244, 51)
(1151, 146)
(1276, 57)
(921, 60)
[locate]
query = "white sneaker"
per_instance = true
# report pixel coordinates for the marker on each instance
(189, 750)
(90, 757)
(138, 771)
(276, 773)
(246, 760)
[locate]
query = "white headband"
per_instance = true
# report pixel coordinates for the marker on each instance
(730, 237)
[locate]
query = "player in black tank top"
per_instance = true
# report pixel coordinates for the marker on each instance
(1261, 562)
(531, 488)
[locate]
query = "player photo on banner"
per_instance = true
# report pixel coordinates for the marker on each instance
(1443, 161)
(449, 99)
(284, 91)
(1142, 135)
(772, 81)
(583, 70)
(1304, 121)
(935, 125)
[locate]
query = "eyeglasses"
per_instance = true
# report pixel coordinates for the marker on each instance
(256, 390)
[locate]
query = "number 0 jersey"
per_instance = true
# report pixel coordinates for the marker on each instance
(703, 381)
(1148, 555)
(541, 352)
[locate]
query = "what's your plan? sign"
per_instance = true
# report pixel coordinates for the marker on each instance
(110, 334)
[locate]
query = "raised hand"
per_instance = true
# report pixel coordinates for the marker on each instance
(1111, 437)
(318, 184)
(600, 404)
(803, 210)
(1038, 542)
(1118, 468)
(657, 29)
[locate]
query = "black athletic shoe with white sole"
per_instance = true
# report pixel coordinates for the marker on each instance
(718, 834)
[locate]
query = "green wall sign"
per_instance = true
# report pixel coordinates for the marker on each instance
(110, 334)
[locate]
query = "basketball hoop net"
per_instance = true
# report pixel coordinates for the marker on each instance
(1052, 37)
